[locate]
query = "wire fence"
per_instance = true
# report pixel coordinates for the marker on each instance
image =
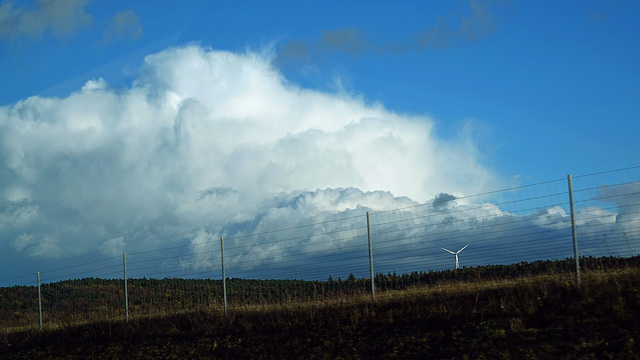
(524, 223)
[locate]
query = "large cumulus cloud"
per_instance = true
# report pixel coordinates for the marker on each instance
(199, 140)
(206, 144)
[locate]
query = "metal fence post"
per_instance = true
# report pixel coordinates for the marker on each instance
(224, 276)
(573, 230)
(39, 302)
(373, 286)
(126, 293)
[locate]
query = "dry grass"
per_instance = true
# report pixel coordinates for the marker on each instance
(543, 316)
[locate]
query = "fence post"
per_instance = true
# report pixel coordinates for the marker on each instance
(373, 287)
(573, 230)
(224, 276)
(126, 293)
(39, 302)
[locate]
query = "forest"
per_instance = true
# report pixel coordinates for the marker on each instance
(86, 300)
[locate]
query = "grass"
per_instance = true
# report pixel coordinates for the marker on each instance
(534, 317)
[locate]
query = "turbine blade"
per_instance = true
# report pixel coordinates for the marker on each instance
(462, 249)
(449, 251)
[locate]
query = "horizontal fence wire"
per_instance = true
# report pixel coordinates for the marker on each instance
(519, 224)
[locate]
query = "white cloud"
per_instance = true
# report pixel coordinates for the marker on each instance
(90, 85)
(203, 244)
(113, 247)
(626, 220)
(17, 213)
(45, 246)
(325, 230)
(554, 217)
(208, 143)
(205, 138)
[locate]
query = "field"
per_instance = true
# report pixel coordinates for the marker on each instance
(531, 314)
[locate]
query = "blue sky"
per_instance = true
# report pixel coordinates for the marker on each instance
(471, 96)
(551, 88)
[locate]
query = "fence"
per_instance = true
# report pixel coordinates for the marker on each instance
(523, 223)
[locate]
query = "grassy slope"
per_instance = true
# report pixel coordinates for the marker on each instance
(536, 317)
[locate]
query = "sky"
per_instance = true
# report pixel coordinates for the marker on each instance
(127, 126)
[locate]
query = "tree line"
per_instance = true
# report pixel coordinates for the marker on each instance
(90, 298)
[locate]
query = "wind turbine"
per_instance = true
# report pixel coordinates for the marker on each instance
(456, 254)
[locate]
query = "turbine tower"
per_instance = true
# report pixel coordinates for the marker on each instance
(456, 254)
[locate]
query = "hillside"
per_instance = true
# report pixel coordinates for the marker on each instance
(531, 316)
